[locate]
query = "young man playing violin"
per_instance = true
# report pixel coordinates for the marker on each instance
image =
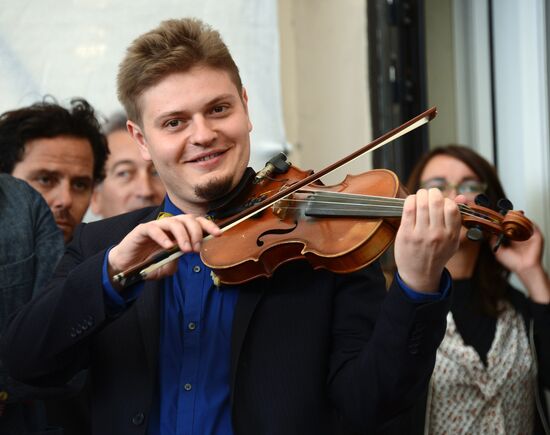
(303, 352)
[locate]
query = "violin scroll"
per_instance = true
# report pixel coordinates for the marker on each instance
(513, 225)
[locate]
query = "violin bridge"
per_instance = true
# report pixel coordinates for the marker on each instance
(281, 207)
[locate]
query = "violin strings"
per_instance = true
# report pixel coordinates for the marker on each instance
(388, 211)
(370, 199)
(380, 204)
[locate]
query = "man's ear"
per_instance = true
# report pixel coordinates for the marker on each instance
(137, 133)
(244, 99)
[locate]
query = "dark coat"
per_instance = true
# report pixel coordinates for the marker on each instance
(312, 352)
(31, 244)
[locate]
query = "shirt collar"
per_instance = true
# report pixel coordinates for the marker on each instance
(170, 207)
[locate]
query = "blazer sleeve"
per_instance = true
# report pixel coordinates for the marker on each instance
(381, 361)
(46, 342)
(48, 242)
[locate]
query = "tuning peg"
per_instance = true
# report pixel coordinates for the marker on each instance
(482, 200)
(504, 206)
(276, 165)
(475, 234)
(280, 163)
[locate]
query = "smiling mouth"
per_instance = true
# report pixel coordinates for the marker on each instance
(208, 157)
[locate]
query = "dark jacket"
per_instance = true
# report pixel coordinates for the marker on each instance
(312, 352)
(30, 247)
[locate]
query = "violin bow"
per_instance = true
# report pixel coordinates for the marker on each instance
(141, 270)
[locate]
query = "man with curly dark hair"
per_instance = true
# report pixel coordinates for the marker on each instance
(59, 151)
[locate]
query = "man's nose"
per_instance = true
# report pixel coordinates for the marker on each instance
(62, 197)
(202, 131)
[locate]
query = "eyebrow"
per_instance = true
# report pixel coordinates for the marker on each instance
(181, 113)
(58, 174)
(220, 98)
(122, 162)
(173, 114)
(37, 172)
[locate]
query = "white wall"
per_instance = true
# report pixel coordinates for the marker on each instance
(70, 48)
(325, 82)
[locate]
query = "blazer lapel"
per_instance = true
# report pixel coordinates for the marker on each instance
(148, 310)
(249, 296)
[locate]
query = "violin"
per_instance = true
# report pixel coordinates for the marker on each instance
(286, 214)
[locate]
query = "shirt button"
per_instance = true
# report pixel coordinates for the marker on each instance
(137, 419)
(191, 326)
(187, 387)
(196, 269)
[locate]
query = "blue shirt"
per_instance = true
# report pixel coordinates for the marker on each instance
(196, 321)
(417, 297)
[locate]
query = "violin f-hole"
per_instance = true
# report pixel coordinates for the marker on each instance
(260, 242)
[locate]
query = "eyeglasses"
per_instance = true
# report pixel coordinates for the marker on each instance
(466, 187)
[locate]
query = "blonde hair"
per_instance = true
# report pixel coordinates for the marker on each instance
(174, 46)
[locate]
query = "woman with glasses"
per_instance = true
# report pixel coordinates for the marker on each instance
(494, 361)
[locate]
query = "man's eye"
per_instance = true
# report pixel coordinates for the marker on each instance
(173, 123)
(45, 180)
(123, 174)
(81, 186)
(219, 109)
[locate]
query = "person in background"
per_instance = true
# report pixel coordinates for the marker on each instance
(130, 181)
(60, 152)
(30, 247)
(303, 352)
(494, 361)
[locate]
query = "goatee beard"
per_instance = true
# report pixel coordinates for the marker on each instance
(214, 189)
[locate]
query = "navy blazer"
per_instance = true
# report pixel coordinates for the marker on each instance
(312, 352)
